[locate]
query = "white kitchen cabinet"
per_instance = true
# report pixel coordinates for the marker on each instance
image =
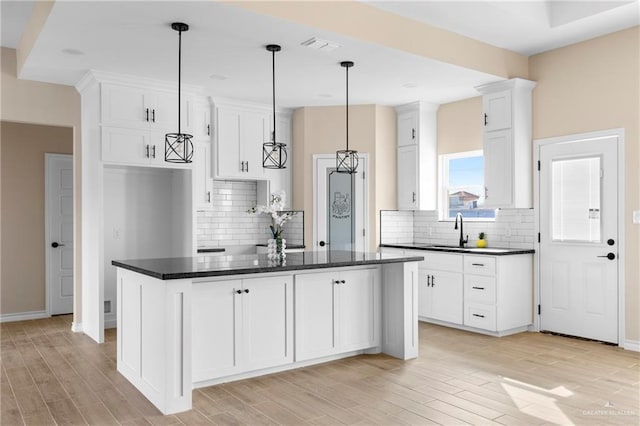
(140, 108)
(336, 312)
(417, 156)
(238, 143)
(199, 119)
(202, 176)
(133, 147)
(507, 143)
(440, 288)
(241, 325)
(498, 292)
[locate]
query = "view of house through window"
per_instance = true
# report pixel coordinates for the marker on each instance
(462, 186)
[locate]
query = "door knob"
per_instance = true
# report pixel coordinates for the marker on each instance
(611, 241)
(322, 243)
(609, 256)
(56, 245)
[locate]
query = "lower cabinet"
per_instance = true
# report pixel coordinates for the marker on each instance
(440, 295)
(241, 325)
(336, 312)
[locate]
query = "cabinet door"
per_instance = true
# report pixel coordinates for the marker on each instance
(124, 106)
(227, 155)
(497, 109)
(498, 169)
(446, 296)
(314, 306)
(356, 312)
(202, 175)
(200, 122)
(267, 311)
(215, 329)
(408, 128)
(408, 177)
(164, 111)
(254, 131)
(125, 146)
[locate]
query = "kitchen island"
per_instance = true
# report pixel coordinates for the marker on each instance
(193, 322)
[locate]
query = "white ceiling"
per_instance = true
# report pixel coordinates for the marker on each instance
(227, 43)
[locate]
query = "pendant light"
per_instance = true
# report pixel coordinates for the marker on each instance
(178, 147)
(274, 154)
(347, 160)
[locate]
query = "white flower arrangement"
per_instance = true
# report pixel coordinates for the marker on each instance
(274, 209)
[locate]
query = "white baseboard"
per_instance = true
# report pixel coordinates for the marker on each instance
(22, 316)
(76, 327)
(632, 345)
(110, 323)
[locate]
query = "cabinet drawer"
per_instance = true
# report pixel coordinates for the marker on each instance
(480, 289)
(442, 261)
(479, 265)
(480, 316)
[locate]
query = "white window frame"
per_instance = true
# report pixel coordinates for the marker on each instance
(443, 195)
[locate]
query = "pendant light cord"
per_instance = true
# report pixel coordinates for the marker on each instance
(273, 81)
(347, 108)
(179, 75)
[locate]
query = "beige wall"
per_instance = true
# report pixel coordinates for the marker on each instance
(321, 130)
(460, 126)
(590, 86)
(34, 102)
(22, 148)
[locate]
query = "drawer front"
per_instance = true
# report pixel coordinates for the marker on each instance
(480, 316)
(480, 289)
(479, 265)
(443, 261)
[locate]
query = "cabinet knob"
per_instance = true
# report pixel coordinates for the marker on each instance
(239, 291)
(56, 244)
(246, 290)
(342, 282)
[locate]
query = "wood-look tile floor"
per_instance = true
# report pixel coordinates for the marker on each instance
(53, 376)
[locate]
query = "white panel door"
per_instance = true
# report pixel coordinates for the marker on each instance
(59, 239)
(267, 312)
(408, 177)
(202, 175)
(254, 131)
(498, 169)
(408, 128)
(228, 163)
(314, 315)
(445, 291)
(356, 310)
(497, 111)
(578, 230)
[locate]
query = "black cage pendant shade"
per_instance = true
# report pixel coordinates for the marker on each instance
(178, 147)
(347, 159)
(274, 153)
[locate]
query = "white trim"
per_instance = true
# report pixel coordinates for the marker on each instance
(23, 316)
(76, 327)
(48, 157)
(538, 143)
(632, 345)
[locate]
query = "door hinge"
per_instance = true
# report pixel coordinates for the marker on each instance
(363, 232)
(538, 309)
(363, 175)
(538, 165)
(538, 237)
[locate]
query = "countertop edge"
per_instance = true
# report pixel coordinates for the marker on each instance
(466, 250)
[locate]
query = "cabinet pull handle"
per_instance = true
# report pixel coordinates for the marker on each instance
(477, 288)
(486, 192)
(147, 151)
(208, 196)
(478, 315)
(238, 291)
(153, 115)
(208, 129)
(428, 280)
(247, 166)
(342, 282)
(242, 166)
(246, 290)
(413, 133)
(477, 264)
(433, 281)
(485, 119)
(414, 196)
(146, 114)
(153, 152)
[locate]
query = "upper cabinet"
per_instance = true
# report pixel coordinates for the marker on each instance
(417, 156)
(241, 132)
(507, 143)
(133, 107)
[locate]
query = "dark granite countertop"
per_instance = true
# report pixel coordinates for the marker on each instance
(213, 266)
(490, 251)
(289, 246)
(211, 249)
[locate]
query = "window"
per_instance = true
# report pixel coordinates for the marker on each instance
(462, 186)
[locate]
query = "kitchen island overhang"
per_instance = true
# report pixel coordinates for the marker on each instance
(192, 322)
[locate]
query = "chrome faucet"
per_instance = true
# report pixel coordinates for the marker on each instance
(463, 240)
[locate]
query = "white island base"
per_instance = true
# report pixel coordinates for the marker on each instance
(178, 334)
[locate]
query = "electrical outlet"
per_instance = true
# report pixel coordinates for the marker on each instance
(116, 233)
(636, 217)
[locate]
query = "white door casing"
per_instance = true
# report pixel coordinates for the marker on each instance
(322, 163)
(59, 233)
(579, 194)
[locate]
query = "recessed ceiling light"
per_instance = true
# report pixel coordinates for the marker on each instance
(409, 85)
(69, 51)
(217, 77)
(319, 44)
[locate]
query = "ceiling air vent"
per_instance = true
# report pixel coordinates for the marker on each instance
(322, 45)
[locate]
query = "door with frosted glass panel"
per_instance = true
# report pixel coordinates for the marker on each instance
(579, 238)
(340, 217)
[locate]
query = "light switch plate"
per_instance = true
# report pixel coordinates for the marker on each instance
(636, 217)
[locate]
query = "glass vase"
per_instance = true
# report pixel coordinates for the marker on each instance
(276, 249)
